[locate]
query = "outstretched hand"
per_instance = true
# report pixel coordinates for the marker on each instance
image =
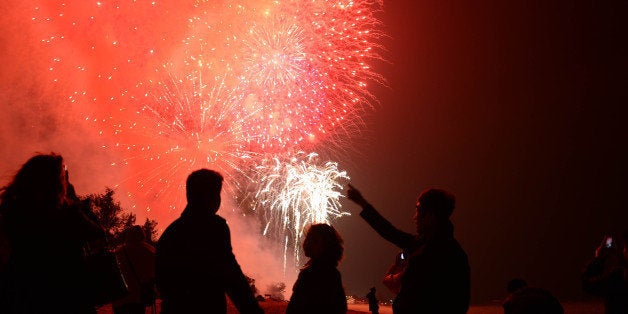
(355, 195)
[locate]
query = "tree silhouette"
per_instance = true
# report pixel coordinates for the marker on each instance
(150, 229)
(114, 219)
(276, 290)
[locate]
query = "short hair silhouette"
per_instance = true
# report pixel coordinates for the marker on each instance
(440, 202)
(322, 242)
(203, 186)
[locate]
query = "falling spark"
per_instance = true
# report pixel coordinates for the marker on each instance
(294, 192)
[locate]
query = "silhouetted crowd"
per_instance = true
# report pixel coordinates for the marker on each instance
(55, 258)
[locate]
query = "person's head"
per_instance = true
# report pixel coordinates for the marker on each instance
(203, 189)
(135, 234)
(433, 208)
(515, 285)
(41, 180)
(372, 289)
(323, 243)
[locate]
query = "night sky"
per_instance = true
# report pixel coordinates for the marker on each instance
(518, 109)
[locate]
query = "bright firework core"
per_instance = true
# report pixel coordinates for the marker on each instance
(243, 87)
(295, 193)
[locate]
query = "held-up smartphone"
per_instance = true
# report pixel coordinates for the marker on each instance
(609, 242)
(402, 256)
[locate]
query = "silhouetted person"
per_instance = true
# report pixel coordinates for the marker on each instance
(137, 262)
(318, 288)
(195, 265)
(523, 299)
(373, 304)
(436, 278)
(5, 248)
(47, 233)
(606, 275)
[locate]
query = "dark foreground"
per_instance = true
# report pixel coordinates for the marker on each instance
(279, 307)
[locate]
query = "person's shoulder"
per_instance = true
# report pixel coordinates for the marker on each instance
(309, 271)
(206, 219)
(174, 225)
(321, 270)
(219, 219)
(171, 230)
(455, 246)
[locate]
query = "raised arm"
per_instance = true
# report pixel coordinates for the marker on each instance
(382, 226)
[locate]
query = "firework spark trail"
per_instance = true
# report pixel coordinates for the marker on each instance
(174, 86)
(184, 124)
(294, 192)
(305, 63)
(97, 51)
(294, 73)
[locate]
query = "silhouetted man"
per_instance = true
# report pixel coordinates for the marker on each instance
(436, 275)
(373, 304)
(195, 265)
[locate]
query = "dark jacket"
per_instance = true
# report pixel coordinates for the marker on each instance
(437, 278)
(318, 289)
(612, 285)
(195, 267)
(45, 271)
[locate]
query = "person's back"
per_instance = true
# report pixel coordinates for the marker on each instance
(319, 288)
(192, 257)
(436, 279)
(195, 265)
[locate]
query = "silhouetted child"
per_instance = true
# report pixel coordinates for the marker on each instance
(318, 288)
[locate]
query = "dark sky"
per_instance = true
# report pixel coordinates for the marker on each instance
(518, 109)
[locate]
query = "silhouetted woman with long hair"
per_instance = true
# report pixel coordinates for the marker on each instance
(318, 288)
(47, 234)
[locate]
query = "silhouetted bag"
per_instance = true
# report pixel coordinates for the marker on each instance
(106, 282)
